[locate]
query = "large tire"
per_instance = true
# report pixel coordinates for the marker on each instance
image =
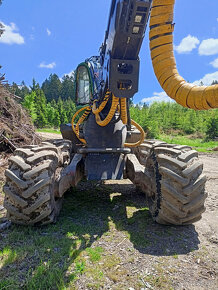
(178, 185)
(31, 189)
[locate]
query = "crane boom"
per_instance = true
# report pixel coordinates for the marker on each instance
(119, 53)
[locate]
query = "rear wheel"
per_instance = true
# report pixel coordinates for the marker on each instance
(31, 189)
(178, 185)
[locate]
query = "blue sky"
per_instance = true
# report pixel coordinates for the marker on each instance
(51, 36)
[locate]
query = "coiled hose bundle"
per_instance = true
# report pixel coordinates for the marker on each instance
(117, 104)
(164, 64)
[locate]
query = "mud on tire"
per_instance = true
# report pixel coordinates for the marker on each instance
(31, 189)
(178, 191)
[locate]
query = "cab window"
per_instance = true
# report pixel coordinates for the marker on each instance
(83, 85)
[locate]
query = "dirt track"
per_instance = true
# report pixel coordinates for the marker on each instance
(48, 136)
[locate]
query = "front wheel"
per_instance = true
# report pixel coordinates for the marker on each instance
(178, 192)
(31, 196)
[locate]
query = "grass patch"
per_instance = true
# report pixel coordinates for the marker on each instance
(7, 256)
(45, 276)
(49, 130)
(198, 144)
(95, 253)
(6, 284)
(96, 274)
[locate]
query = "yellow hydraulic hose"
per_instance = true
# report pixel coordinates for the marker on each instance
(106, 121)
(82, 118)
(142, 137)
(102, 105)
(80, 121)
(123, 110)
(164, 64)
(124, 119)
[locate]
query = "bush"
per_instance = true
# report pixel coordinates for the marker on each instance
(153, 130)
(212, 128)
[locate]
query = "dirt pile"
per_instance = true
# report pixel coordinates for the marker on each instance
(16, 128)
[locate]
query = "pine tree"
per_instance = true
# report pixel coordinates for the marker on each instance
(70, 109)
(15, 89)
(29, 104)
(40, 103)
(19, 90)
(34, 85)
(62, 113)
(52, 87)
(57, 120)
(67, 88)
(50, 114)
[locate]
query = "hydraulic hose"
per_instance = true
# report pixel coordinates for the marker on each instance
(106, 121)
(81, 119)
(124, 119)
(102, 105)
(123, 111)
(164, 64)
(96, 111)
(142, 137)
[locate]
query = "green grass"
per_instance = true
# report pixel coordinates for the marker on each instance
(49, 130)
(198, 144)
(94, 254)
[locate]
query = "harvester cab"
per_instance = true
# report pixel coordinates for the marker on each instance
(87, 80)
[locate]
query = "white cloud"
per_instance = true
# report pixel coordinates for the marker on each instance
(10, 36)
(157, 97)
(207, 79)
(187, 44)
(208, 47)
(49, 65)
(214, 63)
(48, 32)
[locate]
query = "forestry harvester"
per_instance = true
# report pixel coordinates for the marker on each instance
(103, 142)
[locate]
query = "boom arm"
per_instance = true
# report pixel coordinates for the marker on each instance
(120, 50)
